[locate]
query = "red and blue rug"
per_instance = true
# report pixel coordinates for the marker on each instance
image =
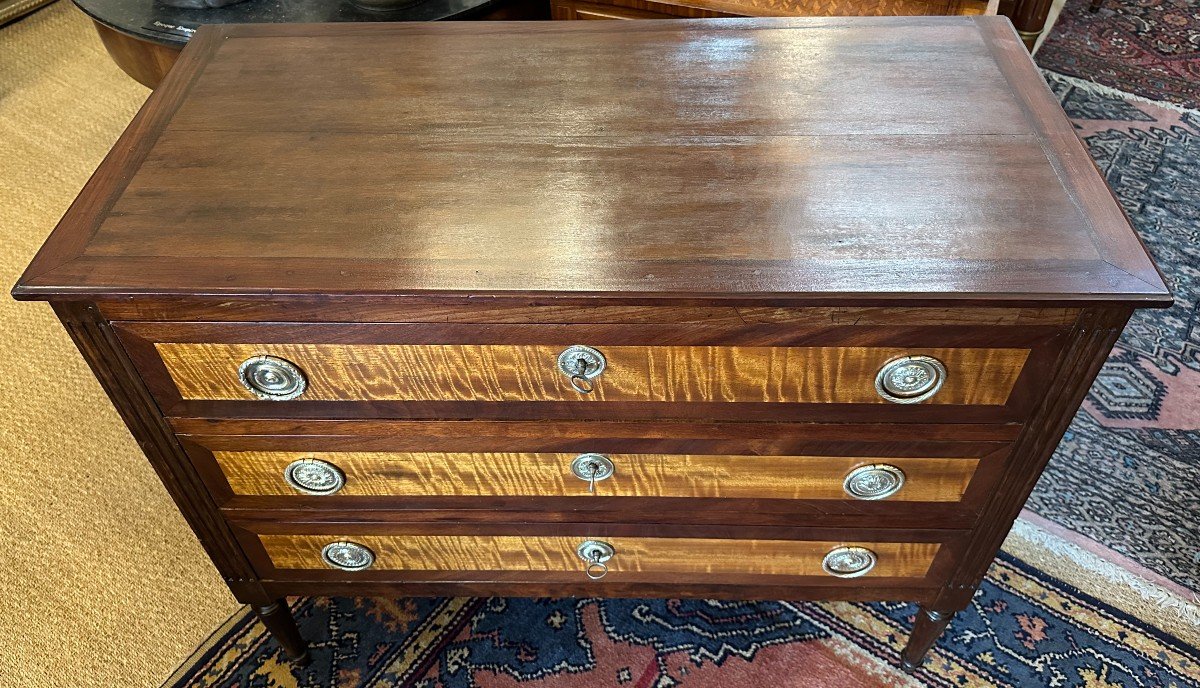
(1150, 48)
(1126, 473)
(1023, 628)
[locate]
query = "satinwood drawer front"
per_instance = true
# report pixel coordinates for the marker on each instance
(587, 371)
(611, 557)
(559, 470)
(451, 474)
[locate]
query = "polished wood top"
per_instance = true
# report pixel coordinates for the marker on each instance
(847, 158)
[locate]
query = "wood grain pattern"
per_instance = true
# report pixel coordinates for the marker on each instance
(652, 9)
(375, 309)
(634, 554)
(635, 373)
(412, 474)
(637, 191)
(650, 437)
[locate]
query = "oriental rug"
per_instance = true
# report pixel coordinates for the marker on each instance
(1125, 474)
(1024, 628)
(1150, 48)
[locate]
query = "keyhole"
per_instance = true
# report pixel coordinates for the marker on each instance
(596, 568)
(579, 380)
(595, 468)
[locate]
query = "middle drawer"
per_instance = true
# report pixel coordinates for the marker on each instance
(774, 472)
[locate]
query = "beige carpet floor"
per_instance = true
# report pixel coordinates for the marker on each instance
(101, 581)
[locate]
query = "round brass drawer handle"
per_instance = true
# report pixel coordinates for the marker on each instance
(849, 562)
(592, 468)
(582, 364)
(347, 556)
(874, 481)
(268, 377)
(314, 476)
(595, 554)
(910, 379)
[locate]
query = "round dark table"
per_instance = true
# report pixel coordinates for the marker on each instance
(144, 37)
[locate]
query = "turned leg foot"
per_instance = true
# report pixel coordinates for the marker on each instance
(929, 626)
(282, 626)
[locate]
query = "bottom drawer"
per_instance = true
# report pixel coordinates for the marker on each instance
(619, 557)
(589, 553)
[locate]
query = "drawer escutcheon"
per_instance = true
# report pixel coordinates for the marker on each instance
(314, 476)
(849, 562)
(582, 364)
(595, 553)
(592, 468)
(910, 379)
(272, 378)
(348, 556)
(873, 481)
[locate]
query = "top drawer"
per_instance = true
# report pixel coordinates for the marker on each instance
(939, 374)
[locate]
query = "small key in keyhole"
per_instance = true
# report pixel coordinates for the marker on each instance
(592, 468)
(595, 468)
(580, 380)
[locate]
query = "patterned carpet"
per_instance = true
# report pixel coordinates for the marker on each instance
(1126, 473)
(1023, 629)
(1150, 48)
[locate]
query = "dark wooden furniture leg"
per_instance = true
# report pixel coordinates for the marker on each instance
(278, 619)
(927, 629)
(1029, 18)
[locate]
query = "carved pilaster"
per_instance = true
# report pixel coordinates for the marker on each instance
(1091, 339)
(112, 367)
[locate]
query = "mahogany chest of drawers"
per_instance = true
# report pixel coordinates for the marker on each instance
(791, 308)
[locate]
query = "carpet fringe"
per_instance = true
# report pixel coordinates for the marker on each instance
(1172, 612)
(870, 664)
(1108, 91)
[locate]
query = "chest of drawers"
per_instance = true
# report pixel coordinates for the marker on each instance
(736, 308)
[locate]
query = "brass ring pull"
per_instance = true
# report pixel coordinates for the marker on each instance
(582, 384)
(581, 364)
(596, 570)
(595, 553)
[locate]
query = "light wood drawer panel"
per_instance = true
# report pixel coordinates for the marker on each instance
(509, 373)
(633, 554)
(417, 474)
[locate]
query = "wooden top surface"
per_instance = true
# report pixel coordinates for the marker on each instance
(849, 158)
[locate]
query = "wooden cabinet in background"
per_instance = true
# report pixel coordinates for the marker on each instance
(666, 9)
(570, 9)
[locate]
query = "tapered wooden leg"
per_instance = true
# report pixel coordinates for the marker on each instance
(282, 626)
(928, 628)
